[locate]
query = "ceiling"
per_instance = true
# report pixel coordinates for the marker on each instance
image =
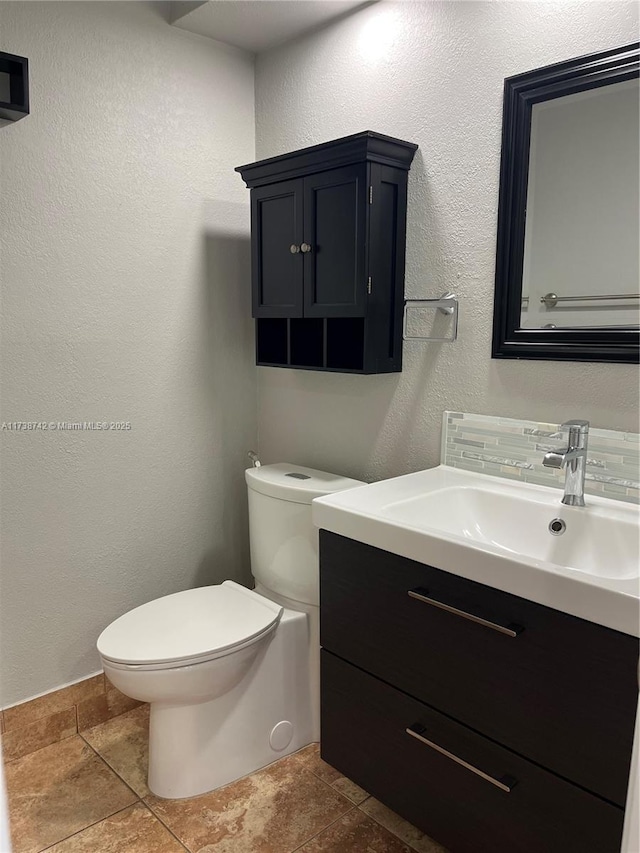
(258, 25)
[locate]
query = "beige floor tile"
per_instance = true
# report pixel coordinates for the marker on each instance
(99, 709)
(60, 790)
(53, 703)
(408, 833)
(309, 758)
(26, 739)
(123, 742)
(273, 811)
(350, 790)
(355, 833)
(134, 830)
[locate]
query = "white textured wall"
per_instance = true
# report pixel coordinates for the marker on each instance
(125, 296)
(431, 73)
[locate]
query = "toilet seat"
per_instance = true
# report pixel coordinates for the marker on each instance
(188, 627)
(183, 663)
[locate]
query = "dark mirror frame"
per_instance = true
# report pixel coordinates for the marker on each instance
(521, 92)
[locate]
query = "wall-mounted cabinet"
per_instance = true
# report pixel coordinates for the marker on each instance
(328, 247)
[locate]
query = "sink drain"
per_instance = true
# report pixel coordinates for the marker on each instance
(557, 526)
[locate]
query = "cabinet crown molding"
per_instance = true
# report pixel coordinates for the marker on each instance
(365, 146)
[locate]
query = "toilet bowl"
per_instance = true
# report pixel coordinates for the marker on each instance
(232, 674)
(228, 700)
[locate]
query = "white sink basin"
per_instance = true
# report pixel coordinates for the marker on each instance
(599, 540)
(497, 532)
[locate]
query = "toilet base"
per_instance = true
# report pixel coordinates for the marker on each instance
(195, 748)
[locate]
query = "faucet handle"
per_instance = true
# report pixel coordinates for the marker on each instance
(576, 424)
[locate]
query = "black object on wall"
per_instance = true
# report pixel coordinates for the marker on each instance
(328, 230)
(521, 92)
(14, 86)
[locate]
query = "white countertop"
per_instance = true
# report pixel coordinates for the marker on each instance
(374, 514)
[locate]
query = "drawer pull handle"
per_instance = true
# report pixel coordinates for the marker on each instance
(506, 783)
(510, 630)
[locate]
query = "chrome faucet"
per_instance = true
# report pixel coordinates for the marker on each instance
(574, 459)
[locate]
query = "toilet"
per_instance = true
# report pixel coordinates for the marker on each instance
(231, 674)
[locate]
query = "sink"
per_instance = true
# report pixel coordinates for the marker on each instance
(497, 532)
(598, 540)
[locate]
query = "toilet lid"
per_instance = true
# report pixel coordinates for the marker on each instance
(190, 625)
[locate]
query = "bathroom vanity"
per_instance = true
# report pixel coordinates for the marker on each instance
(489, 720)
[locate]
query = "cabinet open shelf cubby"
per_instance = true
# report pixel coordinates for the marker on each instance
(345, 343)
(272, 341)
(306, 338)
(328, 343)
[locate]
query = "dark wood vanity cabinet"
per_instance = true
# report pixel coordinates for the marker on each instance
(328, 245)
(512, 733)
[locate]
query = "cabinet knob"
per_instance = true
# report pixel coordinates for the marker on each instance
(305, 247)
(294, 249)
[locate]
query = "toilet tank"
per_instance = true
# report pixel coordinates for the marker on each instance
(284, 541)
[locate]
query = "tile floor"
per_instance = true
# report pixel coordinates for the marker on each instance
(88, 794)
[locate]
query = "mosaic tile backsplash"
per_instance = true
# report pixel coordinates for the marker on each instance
(511, 448)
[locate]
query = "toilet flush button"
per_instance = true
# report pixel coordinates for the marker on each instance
(281, 735)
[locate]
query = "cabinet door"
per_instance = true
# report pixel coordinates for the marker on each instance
(276, 272)
(335, 229)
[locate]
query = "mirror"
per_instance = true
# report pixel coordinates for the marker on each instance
(567, 267)
(581, 261)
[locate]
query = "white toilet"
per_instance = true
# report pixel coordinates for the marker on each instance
(232, 674)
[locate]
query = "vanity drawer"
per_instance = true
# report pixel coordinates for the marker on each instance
(493, 800)
(561, 691)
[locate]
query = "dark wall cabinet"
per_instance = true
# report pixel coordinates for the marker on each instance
(487, 741)
(328, 230)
